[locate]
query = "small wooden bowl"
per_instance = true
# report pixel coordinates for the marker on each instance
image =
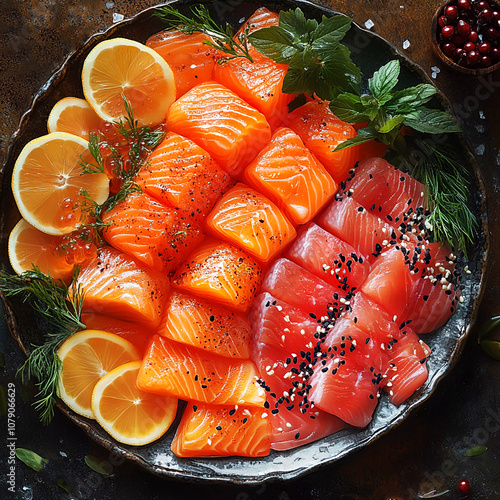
(448, 61)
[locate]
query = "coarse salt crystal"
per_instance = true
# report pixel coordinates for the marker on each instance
(406, 44)
(480, 150)
(436, 69)
(118, 17)
(369, 24)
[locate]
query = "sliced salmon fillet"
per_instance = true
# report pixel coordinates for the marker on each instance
(154, 234)
(206, 325)
(117, 285)
(292, 284)
(191, 60)
(220, 122)
(287, 173)
(385, 191)
(171, 368)
(328, 257)
(216, 430)
(180, 174)
(246, 218)
(351, 222)
(322, 132)
(137, 334)
(220, 272)
(259, 82)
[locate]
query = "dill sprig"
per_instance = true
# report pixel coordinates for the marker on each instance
(52, 300)
(95, 151)
(447, 191)
(221, 37)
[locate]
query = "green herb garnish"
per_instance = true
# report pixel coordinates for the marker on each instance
(62, 310)
(31, 459)
(221, 37)
(318, 64)
(476, 451)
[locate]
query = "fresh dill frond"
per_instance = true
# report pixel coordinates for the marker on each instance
(221, 37)
(62, 310)
(95, 151)
(447, 194)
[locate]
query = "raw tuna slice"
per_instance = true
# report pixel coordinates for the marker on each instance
(182, 175)
(152, 233)
(407, 368)
(390, 283)
(246, 218)
(294, 285)
(351, 222)
(189, 373)
(277, 324)
(346, 390)
(289, 175)
(322, 132)
(206, 325)
(259, 82)
(328, 257)
(191, 60)
(385, 191)
(293, 421)
(215, 430)
(117, 285)
(220, 272)
(220, 122)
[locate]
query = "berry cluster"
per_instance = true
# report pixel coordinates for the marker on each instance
(469, 32)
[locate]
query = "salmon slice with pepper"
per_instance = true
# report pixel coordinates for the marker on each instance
(180, 174)
(216, 430)
(154, 234)
(222, 123)
(290, 176)
(117, 285)
(171, 368)
(206, 325)
(246, 218)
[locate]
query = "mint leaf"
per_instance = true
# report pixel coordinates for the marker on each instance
(364, 135)
(410, 99)
(99, 466)
(391, 124)
(303, 74)
(275, 43)
(331, 30)
(337, 68)
(349, 108)
(295, 22)
(431, 121)
(385, 79)
(31, 459)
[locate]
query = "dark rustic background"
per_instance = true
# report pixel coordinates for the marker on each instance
(427, 450)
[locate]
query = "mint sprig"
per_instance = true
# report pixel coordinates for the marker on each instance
(318, 63)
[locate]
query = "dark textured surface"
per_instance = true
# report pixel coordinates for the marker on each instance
(427, 448)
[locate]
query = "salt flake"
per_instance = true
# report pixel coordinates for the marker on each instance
(118, 17)
(406, 44)
(369, 24)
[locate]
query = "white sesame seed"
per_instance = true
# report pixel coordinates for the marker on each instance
(288, 424)
(279, 308)
(264, 415)
(209, 441)
(287, 318)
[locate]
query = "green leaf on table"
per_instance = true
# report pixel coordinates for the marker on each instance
(99, 466)
(31, 459)
(385, 79)
(475, 451)
(64, 485)
(492, 348)
(431, 121)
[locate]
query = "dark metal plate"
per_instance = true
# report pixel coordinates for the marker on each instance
(369, 52)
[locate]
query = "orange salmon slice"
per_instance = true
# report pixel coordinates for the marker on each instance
(190, 59)
(222, 123)
(174, 369)
(248, 219)
(221, 272)
(117, 285)
(287, 173)
(206, 325)
(259, 82)
(182, 175)
(156, 235)
(210, 430)
(322, 132)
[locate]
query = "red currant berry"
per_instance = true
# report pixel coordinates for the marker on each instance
(486, 15)
(464, 487)
(484, 48)
(473, 36)
(451, 11)
(458, 40)
(447, 32)
(443, 21)
(473, 58)
(495, 54)
(463, 5)
(459, 54)
(496, 15)
(482, 5)
(449, 49)
(463, 28)
(469, 46)
(485, 61)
